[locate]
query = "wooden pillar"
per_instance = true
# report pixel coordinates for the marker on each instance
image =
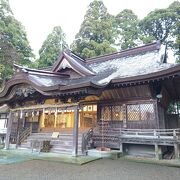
(157, 114)
(43, 118)
(55, 117)
(9, 125)
(75, 132)
(19, 128)
(158, 152)
(125, 116)
(176, 151)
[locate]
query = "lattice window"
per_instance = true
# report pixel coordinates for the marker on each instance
(133, 112)
(106, 113)
(147, 111)
(117, 113)
(140, 112)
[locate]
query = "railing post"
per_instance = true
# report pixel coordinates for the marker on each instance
(158, 152)
(155, 133)
(174, 134)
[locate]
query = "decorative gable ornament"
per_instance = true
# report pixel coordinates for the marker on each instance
(64, 64)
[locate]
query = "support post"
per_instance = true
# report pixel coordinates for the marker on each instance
(9, 125)
(176, 151)
(75, 132)
(18, 128)
(43, 118)
(158, 152)
(124, 116)
(55, 117)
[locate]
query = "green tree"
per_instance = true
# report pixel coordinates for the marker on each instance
(159, 24)
(96, 34)
(175, 8)
(51, 48)
(14, 46)
(126, 24)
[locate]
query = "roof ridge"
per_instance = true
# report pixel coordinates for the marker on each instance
(128, 52)
(26, 70)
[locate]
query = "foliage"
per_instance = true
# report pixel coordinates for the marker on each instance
(127, 29)
(175, 8)
(174, 108)
(159, 24)
(95, 36)
(51, 48)
(14, 46)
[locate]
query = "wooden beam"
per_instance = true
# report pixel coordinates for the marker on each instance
(9, 125)
(75, 132)
(46, 106)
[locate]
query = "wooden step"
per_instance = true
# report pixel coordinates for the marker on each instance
(63, 144)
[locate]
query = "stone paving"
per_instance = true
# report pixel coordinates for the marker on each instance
(105, 169)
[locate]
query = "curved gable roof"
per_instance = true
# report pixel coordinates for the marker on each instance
(133, 66)
(70, 60)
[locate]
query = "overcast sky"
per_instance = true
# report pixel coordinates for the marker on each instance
(40, 16)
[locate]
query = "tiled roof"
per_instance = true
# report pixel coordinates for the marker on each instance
(136, 63)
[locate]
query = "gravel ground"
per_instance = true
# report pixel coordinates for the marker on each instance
(105, 169)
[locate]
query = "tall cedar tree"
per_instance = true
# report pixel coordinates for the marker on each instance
(95, 36)
(14, 46)
(126, 24)
(51, 48)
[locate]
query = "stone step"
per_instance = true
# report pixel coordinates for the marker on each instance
(23, 148)
(65, 146)
(63, 150)
(64, 143)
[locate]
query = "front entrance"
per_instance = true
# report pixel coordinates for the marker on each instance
(64, 119)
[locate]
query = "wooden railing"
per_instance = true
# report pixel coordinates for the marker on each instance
(113, 137)
(154, 133)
